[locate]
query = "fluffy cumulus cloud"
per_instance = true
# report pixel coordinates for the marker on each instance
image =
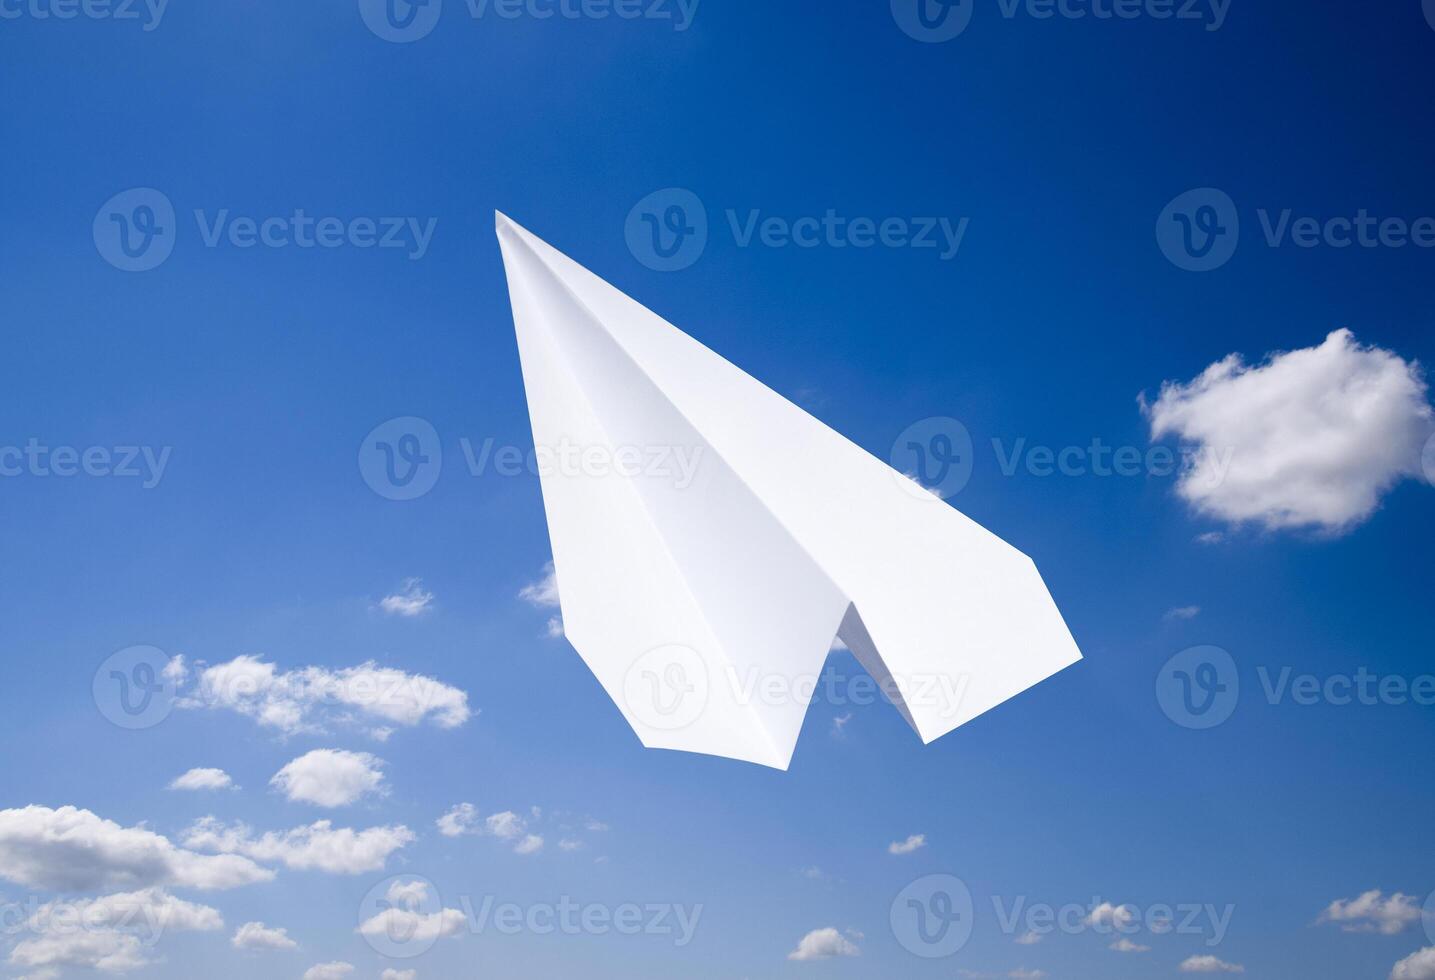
(912, 843)
(308, 699)
(330, 777)
(1209, 964)
(111, 934)
(71, 850)
(333, 970)
(320, 846)
(392, 974)
(822, 944)
(1113, 916)
(461, 819)
(1417, 966)
(256, 935)
(411, 600)
(1124, 945)
(1373, 912)
(198, 779)
(1310, 438)
(406, 915)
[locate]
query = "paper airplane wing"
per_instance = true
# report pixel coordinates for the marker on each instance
(710, 538)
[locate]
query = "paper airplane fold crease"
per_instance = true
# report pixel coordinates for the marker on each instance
(710, 538)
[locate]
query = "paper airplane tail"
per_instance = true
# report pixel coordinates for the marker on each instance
(709, 538)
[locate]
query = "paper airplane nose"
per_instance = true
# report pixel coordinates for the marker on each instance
(710, 538)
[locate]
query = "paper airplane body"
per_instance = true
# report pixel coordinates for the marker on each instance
(705, 593)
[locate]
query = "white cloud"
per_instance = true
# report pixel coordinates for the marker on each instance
(319, 847)
(305, 700)
(530, 844)
(404, 916)
(1310, 438)
(1372, 912)
(330, 777)
(570, 844)
(392, 974)
(821, 944)
(1020, 974)
(335, 970)
(1106, 914)
(1124, 945)
(461, 819)
(256, 935)
(839, 724)
(505, 825)
(111, 934)
(1209, 964)
(1183, 612)
(544, 592)
(70, 849)
(1417, 966)
(411, 600)
(907, 846)
(197, 779)
(1029, 938)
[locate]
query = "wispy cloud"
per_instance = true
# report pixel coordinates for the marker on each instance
(410, 600)
(912, 843)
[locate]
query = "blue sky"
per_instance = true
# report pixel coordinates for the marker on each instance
(1059, 140)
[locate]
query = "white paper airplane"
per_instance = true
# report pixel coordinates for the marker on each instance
(710, 538)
